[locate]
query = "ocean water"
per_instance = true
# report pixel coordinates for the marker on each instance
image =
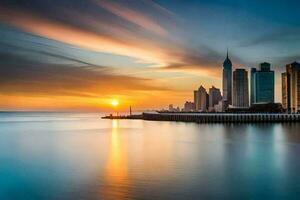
(80, 156)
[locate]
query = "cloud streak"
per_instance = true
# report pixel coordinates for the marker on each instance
(132, 16)
(116, 39)
(141, 31)
(284, 35)
(22, 76)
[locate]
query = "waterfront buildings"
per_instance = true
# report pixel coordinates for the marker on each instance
(262, 89)
(262, 84)
(214, 97)
(201, 99)
(240, 88)
(227, 80)
(189, 106)
(291, 87)
(173, 109)
(220, 107)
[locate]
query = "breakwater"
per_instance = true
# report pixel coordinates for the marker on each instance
(123, 117)
(222, 117)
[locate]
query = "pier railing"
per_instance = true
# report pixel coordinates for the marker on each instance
(222, 117)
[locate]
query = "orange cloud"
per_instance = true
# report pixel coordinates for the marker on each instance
(37, 86)
(31, 85)
(161, 52)
(72, 35)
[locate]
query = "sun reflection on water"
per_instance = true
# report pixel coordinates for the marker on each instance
(116, 170)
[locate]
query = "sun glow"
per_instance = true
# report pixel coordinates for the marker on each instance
(114, 102)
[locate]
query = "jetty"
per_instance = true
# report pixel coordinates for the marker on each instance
(123, 116)
(222, 117)
(211, 117)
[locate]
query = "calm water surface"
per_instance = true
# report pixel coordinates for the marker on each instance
(79, 156)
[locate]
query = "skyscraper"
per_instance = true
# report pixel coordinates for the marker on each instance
(196, 99)
(214, 97)
(252, 85)
(201, 99)
(285, 92)
(227, 80)
(291, 87)
(262, 84)
(240, 88)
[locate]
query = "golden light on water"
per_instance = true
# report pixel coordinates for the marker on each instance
(116, 170)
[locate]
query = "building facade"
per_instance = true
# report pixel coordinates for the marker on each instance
(285, 92)
(196, 99)
(214, 97)
(262, 84)
(227, 80)
(220, 107)
(201, 99)
(240, 88)
(252, 85)
(291, 87)
(188, 106)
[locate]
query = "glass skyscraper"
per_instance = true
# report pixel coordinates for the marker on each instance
(262, 84)
(252, 85)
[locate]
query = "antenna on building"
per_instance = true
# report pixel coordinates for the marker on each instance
(227, 53)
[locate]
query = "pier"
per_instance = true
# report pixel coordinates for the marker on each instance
(123, 117)
(222, 117)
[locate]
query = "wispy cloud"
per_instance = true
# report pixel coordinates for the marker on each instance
(112, 38)
(23, 76)
(282, 35)
(56, 55)
(111, 27)
(133, 16)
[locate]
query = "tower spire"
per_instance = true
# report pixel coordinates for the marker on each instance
(227, 53)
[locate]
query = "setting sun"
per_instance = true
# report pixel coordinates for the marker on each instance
(114, 102)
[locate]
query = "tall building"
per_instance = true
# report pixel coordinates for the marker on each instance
(262, 84)
(214, 97)
(285, 93)
(240, 88)
(196, 99)
(201, 99)
(291, 87)
(227, 80)
(252, 85)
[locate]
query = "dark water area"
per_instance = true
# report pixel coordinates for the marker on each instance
(80, 156)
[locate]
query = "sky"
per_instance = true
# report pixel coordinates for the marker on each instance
(70, 55)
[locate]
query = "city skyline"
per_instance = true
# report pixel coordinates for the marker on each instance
(74, 55)
(149, 99)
